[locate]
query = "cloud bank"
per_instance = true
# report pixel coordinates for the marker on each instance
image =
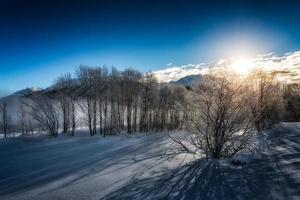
(287, 67)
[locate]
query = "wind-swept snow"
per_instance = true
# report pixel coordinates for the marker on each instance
(80, 167)
(145, 167)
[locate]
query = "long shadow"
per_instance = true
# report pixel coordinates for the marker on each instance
(201, 179)
(262, 178)
(46, 167)
(204, 180)
(284, 142)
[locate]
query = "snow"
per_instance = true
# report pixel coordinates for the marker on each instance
(81, 167)
(11, 135)
(146, 166)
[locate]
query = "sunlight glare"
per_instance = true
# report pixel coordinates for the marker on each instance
(242, 65)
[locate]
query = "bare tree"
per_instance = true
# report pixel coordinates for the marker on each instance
(25, 117)
(217, 116)
(43, 111)
(292, 102)
(62, 87)
(149, 98)
(22, 115)
(66, 91)
(114, 103)
(5, 117)
(163, 107)
(88, 91)
(176, 115)
(130, 79)
(266, 104)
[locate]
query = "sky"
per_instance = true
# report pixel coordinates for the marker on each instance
(41, 39)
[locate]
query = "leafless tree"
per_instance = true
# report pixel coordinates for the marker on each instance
(65, 87)
(61, 88)
(149, 98)
(25, 117)
(44, 112)
(218, 120)
(292, 101)
(5, 117)
(88, 91)
(22, 115)
(163, 107)
(266, 104)
(130, 79)
(99, 89)
(115, 102)
(176, 115)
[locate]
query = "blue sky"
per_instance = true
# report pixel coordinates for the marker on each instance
(40, 39)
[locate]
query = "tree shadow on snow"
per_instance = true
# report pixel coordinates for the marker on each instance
(204, 180)
(75, 162)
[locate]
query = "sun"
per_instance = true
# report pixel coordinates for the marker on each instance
(242, 65)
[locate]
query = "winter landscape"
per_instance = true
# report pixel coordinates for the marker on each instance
(99, 100)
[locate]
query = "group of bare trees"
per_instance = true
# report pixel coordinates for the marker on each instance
(9, 125)
(107, 101)
(221, 112)
(114, 101)
(224, 111)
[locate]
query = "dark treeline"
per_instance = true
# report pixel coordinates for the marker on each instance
(107, 101)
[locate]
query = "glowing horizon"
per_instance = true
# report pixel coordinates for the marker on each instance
(287, 67)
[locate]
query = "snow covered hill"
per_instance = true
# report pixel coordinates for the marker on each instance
(145, 167)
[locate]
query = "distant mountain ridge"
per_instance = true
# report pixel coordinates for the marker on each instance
(26, 91)
(187, 80)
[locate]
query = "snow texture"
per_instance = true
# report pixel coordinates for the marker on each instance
(145, 166)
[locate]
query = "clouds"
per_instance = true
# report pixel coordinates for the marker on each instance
(287, 67)
(178, 72)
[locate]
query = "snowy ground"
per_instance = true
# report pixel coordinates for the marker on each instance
(144, 167)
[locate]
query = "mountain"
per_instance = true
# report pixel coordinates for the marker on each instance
(187, 80)
(26, 92)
